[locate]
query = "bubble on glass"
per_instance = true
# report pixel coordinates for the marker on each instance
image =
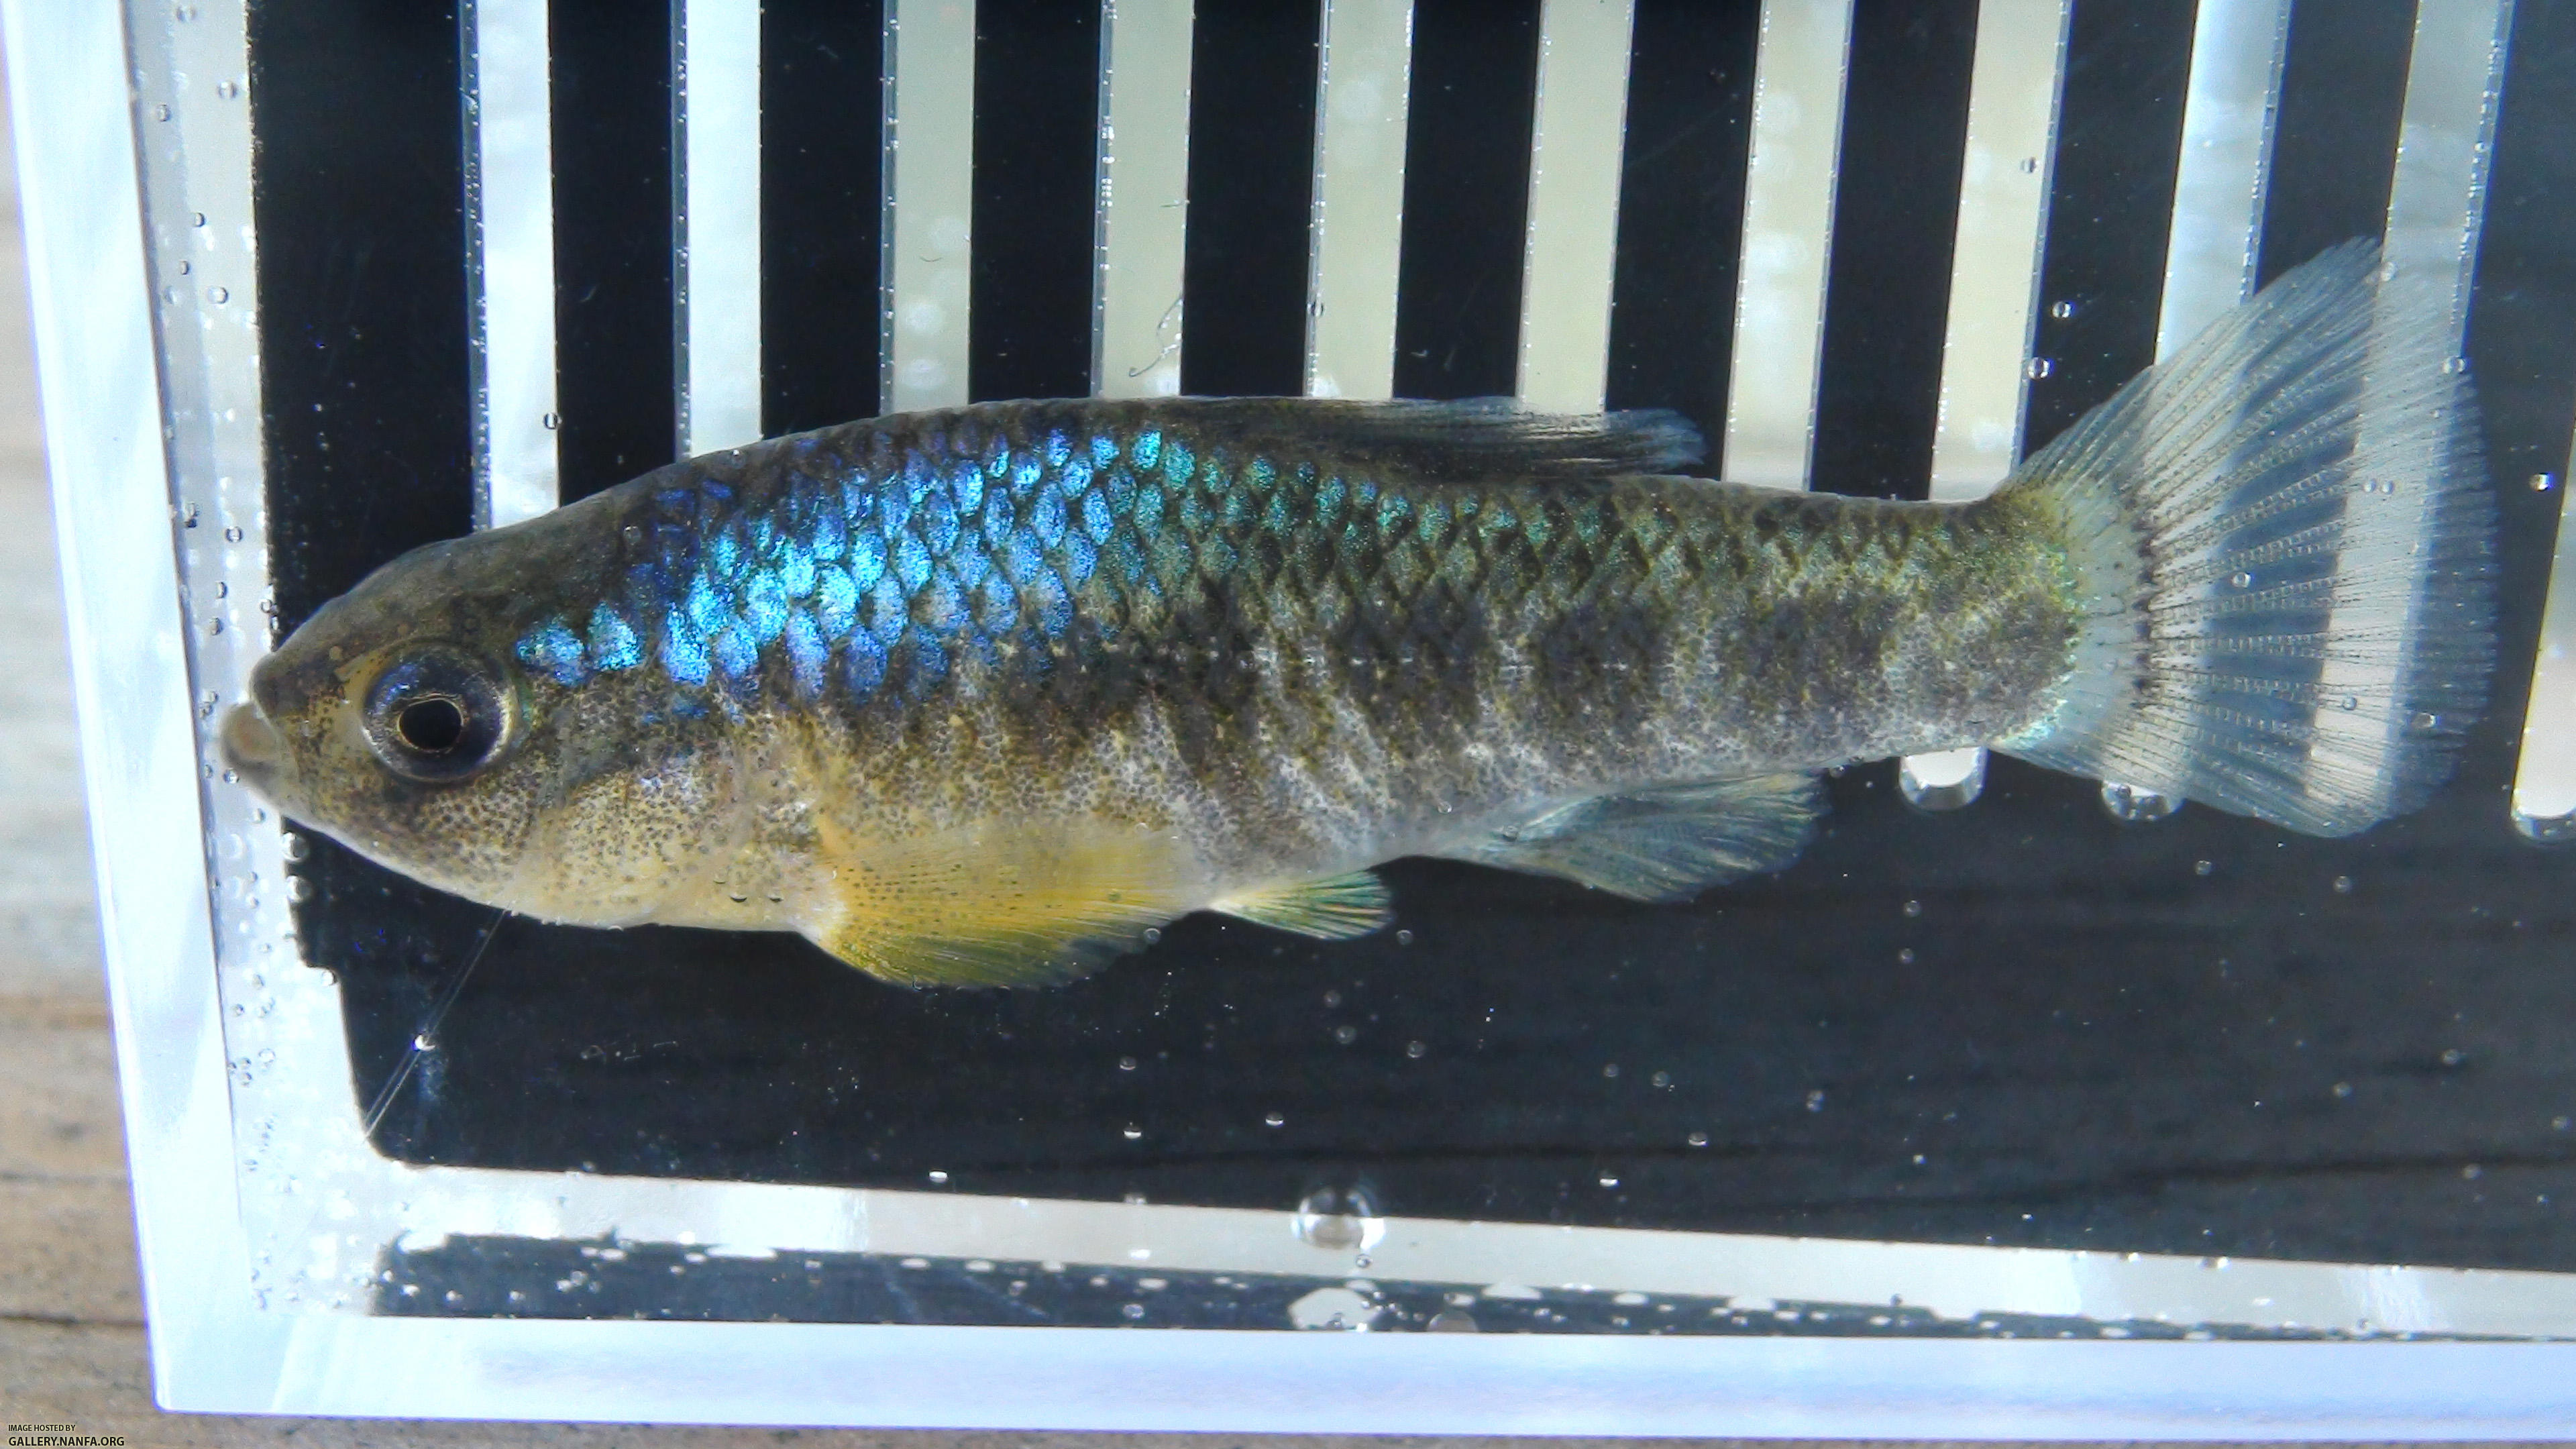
(1340, 1219)
(2137, 805)
(1342, 1309)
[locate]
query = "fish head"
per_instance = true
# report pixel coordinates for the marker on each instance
(403, 720)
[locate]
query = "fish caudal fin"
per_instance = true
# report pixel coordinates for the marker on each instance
(2283, 542)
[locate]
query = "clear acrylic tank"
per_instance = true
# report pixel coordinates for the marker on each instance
(1966, 1121)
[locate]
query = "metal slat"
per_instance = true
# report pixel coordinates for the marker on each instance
(1573, 228)
(2230, 106)
(2436, 202)
(1994, 291)
(1143, 216)
(1799, 78)
(930, 200)
(510, 258)
(715, 101)
(1363, 89)
(2544, 778)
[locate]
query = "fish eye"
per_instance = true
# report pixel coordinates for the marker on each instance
(437, 714)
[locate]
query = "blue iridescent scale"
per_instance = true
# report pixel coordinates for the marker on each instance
(935, 554)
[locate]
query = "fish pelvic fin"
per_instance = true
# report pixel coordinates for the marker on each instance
(994, 907)
(1335, 908)
(1661, 845)
(2283, 542)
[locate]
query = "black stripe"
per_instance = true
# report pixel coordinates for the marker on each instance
(2110, 210)
(1037, 116)
(2343, 92)
(822, 208)
(613, 313)
(1252, 164)
(1466, 197)
(2522, 353)
(358, 196)
(1681, 208)
(1896, 217)
(362, 288)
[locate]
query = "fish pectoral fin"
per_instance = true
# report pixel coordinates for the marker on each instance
(1336, 908)
(1018, 907)
(1661, 845)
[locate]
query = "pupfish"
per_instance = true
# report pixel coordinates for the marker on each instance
(984, 695)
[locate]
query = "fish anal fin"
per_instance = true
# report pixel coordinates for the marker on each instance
(1335, 908)
(1661, 845)
(993, 907)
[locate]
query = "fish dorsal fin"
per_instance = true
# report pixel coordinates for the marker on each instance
(993, 907)
(1336, 908)
(1463, 441)
(1661, 845)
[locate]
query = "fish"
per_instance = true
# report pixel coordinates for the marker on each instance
(985, 696)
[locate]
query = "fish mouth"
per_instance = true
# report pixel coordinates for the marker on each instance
(251, 745)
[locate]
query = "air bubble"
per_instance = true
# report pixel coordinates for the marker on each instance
(218, 295)
(1346, 1034)
(2455, 366)
(160, 113)
(552, 421)
(1404, 938)
(1905, 956)
(1608, 1181)
(233, 535)
(2343, 885)
(1153, 934)
(2203, 867)
(1132, 1134)
(1416, 1050)
(228, 89)
(2135, 805)
(1332, 999)
(1274, 1119)
(1816, 1100)
(1339, 1219)
(424, 1043)
(1697, 1139)
(196, 218)
(2349, 702)
(2543, 482)
(2061, 310)
(2241, 580)
(2039, 367)
(1662, 1079)
(1913, 908)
